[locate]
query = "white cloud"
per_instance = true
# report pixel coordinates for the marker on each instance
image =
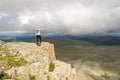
(61, 16)
(24, 19)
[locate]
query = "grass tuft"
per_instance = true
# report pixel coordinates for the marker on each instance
(105, 76)
(31, 77)
(51, 67)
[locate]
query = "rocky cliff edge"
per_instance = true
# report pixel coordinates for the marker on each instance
(27, 61)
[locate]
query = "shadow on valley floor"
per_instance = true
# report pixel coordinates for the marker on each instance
(69, 49)
(101, 40)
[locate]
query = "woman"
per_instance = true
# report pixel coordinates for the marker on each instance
(38, 36)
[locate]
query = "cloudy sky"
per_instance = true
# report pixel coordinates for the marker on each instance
(60, 16)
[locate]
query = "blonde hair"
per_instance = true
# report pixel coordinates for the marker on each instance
(37, 27)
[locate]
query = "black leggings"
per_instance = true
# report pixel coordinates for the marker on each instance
(38, 37)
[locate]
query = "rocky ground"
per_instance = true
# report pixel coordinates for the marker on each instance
(27, 61)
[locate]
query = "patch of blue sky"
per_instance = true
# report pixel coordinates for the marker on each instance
(7, 19)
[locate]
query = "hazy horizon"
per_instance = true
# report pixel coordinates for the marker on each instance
(58, 34)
